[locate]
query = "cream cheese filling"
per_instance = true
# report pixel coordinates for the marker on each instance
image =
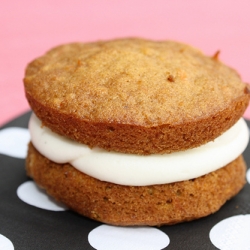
(139, 170)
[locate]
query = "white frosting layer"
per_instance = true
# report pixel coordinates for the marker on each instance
(138, 170)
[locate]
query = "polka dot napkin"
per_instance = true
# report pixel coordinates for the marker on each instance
(30, 219)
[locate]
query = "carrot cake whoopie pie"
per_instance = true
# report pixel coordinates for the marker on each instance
(136, 132)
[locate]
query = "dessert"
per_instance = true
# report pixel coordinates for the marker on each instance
(136, 132)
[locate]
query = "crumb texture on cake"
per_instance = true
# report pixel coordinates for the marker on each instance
(129, 205)
(135, 95)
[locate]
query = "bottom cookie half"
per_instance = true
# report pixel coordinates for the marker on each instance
(136, 205)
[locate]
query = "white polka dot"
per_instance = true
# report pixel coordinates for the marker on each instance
(31, 194)
(107, 237)
(248, 176)
(232, 233)
(14, 142)
(5, 243)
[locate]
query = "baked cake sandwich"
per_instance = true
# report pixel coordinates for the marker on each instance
(136, 132)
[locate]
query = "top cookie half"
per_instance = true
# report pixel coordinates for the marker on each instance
(135, 95)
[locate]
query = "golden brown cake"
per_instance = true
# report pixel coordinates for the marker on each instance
(138, 97)
(134, 95)
(137, 205)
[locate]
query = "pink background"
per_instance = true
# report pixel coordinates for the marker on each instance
(29, 28)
